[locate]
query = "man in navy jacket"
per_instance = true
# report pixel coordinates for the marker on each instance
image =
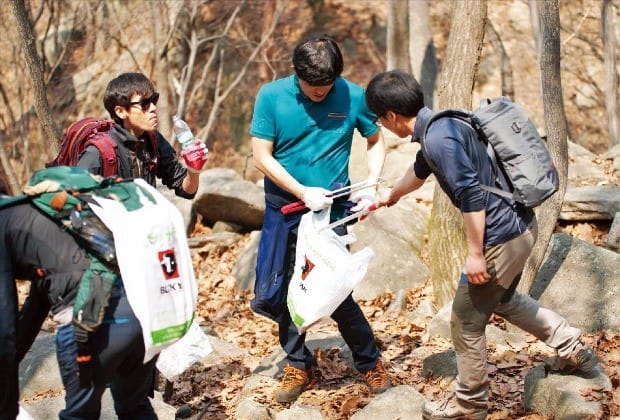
(500, 236)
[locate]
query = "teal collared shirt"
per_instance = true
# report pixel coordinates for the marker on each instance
(312, 140)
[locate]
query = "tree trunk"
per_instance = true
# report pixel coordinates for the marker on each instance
(160, 68)
(448, 249)
(609, 46)
(506, 68)
(398, 36)
(6, 171)
(41, 106)
(557, 133)
(535, 19)
(424, 64)
(265, 71)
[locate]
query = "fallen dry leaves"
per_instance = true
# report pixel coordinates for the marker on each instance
(213, 392)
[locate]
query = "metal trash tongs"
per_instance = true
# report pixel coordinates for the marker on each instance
(355, 215)
(300, 205)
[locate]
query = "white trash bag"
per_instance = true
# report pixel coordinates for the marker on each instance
(177, 358)
(155, 264)
(325, 271)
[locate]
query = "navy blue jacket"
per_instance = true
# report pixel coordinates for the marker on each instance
(461, 163)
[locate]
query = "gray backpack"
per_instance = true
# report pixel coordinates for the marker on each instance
(513, 142)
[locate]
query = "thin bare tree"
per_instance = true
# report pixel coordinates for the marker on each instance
(456, 83)
(265, 70)
(535, 19)
(398, 35)
(33, 63)
(611, 73)
(506, 68)
(557, 133)
(6, 171)
(422, 54)
(221, 92)
(162, 35)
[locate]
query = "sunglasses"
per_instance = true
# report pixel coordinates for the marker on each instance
(145, 103)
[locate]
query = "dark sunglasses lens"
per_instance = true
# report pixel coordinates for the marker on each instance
(146, 102)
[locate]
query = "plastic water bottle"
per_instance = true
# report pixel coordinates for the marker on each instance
(183, 132)
(97, 236)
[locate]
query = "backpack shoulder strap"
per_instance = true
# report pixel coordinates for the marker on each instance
(106, 147)
(446, 113)
(468, 116)
(153, 139)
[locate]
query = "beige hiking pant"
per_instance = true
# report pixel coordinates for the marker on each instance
(473, 306)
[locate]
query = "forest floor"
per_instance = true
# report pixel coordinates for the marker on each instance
(341, 392)
(210, 392)
(225, 311)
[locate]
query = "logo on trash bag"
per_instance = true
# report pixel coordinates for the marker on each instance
(168, 263)
(306, 268)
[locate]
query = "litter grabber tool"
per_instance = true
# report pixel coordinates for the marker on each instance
(340, 192)
(357, 214)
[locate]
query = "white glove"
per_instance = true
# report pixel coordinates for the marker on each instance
(364, 198)
(316, 199)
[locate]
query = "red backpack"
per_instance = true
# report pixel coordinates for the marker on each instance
(91, 131)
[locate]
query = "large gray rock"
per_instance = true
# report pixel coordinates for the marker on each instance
(590, 203)
(439, 325)
(48, 409)
(396, 235)
(244, 270)
(399, 402)
(613, 237)
(224, 196)
(560, 396)
(580, 281)
(441, 364)
(300, 411)
(182, 204)
(39, 372)
(248, 409)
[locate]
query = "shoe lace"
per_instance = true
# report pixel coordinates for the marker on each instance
(444, 403)
(377, 376)
(582, 356)
(293, 377)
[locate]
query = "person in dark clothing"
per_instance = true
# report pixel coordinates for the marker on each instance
(500, 236)
(131, 101)
(302, 132)
(33, 247)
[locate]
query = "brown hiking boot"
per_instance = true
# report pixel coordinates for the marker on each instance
(452, 408)
(582, 359)
(293, 383)
(377, 379)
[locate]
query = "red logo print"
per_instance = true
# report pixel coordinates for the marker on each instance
(306, 268)
(168, 263)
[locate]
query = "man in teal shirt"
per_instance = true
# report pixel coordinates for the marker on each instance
(302, 132)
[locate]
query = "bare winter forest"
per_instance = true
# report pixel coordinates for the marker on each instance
(208, 58)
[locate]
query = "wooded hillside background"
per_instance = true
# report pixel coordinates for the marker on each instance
(209, 58)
